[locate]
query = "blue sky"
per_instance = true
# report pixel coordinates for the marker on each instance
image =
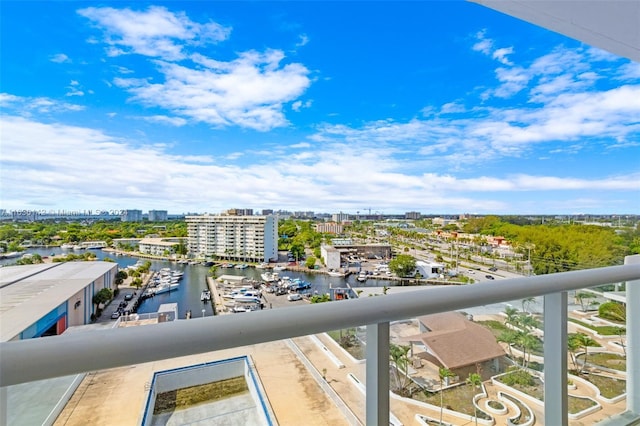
(436, 107)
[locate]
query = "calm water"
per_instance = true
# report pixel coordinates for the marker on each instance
(187, 296)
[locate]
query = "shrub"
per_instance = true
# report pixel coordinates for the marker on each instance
(518, 377)
(612, 311)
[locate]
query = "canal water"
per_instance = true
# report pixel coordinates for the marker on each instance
(187, 295)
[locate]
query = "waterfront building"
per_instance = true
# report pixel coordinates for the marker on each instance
(122, 242)
(159, 246)
(46, 299)
(250, 238)
(429, 269)
(131, 216)
(158, 215)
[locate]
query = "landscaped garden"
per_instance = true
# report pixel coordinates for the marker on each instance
(531, 385)
(607, 360)
(458, 398)
(609, 386)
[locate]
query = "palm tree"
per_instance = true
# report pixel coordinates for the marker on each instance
(583, 341)
(526, 303)
(572, 347)
(528, 342)
(474, 380)
(512, 316)
(509, 337)
(528, 322)
(398, 354)
(444, 373)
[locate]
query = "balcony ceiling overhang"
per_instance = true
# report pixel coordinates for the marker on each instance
(611, 25)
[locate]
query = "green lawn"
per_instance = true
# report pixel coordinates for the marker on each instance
(613, 361)
(603, 330)
(609, 388)
(458, 398)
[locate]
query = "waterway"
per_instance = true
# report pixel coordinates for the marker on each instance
(187, 295)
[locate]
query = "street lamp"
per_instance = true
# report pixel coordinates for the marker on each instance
(203, 313)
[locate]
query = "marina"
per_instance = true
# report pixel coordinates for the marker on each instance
(188, 293)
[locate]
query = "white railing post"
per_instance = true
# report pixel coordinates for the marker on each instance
(633, 339)
(377, 351)
(556, 408)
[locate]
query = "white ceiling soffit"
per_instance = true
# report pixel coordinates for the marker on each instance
(611, 25)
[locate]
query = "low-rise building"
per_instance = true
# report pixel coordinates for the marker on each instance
(160, 246)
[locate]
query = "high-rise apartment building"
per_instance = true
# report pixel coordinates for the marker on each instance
(340, 217)
(412, 215)
(131, 216)
(157, 215)
(249, 238)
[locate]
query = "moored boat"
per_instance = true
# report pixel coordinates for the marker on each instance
(205, 295)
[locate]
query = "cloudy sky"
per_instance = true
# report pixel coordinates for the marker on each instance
(436, 107)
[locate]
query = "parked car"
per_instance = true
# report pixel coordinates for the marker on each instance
(128, 296)
(493, 269)
(489, 277)
(115, 315)
(294, 296)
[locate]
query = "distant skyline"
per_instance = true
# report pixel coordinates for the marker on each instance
(435, 107)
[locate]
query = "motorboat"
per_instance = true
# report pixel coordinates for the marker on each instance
(270, 276)
(205, 295)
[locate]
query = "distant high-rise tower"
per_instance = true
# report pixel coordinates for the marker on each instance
(131, 216)
(157, 215)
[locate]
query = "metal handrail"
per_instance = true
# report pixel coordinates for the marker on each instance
(36, 359)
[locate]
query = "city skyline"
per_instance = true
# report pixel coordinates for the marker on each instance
(346, 106)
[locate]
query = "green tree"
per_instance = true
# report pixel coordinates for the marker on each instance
(398, 354)
(526, 303)
(102, 296)
(320, 298)
(310, 262)
(613, 310)
(403, 265)
(585, 299)
(443, 374)
(509, 337)
(212, 270)
(582, 341)
(474, 381)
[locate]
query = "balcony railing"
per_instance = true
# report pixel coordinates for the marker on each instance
(36, 359)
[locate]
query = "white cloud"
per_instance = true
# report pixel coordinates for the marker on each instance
(163, 119)
(298, 105)
(342, 175)
(28, 105)
(487, 46)
(452, 108)
(60, 58)
(304, 39)
(73, 89)
(501, 55)
(155, 32)
(247, 92)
